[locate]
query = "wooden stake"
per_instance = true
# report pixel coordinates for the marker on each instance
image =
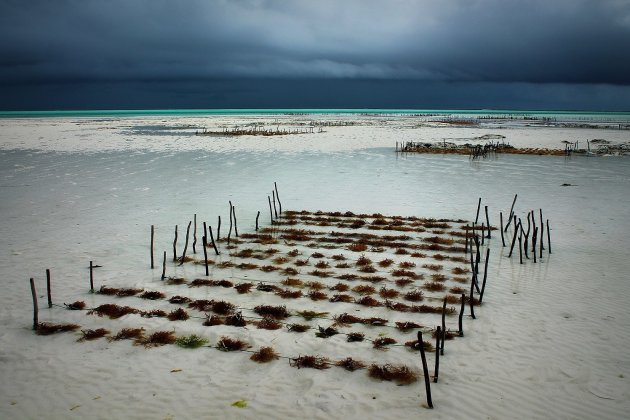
(472, 289)
(425, 370)
(501, 224)
(230, 230)
(534, 242)
(235, 225)
(483, 232)
(485, 275)
(488, 222)
(216, 251)
(270, 211)
(35, 308)
(91, 277)
(175, 245)
(513, 239)
(548, 237)
(257, 216)
(194, 234)
(478, 207)
(511, 213)
(278, 197)
(152, 238)
(273, 199)
(542, 231)
(48, 291)
(443, 339)
(205, 253)
(219, 229)
(183, 257)
(164, 266)
(438, 337)
(520, 247)
(461, 316)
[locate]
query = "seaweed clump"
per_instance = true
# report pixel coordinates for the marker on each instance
(350, 364)
(128, 334)
(276, 312)
(48, 328)
(157, 339)
(313, 362)
(75, 306)
(89, 335)
(309, 315)
(230, 344)
(264, 355)
(381, 342)
(178, 314)
(402, 375)
(113, 311)
(192, 341)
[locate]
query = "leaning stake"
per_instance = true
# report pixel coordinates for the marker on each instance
(164, 266)
(487, 222)
(278, 197)
(501, 223)
(183, 257)
(205, 253)
(485, 275)
(425, 370)
(478, 207)
(270, 210)
(257, 216)
(35, 308)
(216, 251)
(194, 233)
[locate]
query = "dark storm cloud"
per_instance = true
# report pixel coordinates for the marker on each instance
(559, 41)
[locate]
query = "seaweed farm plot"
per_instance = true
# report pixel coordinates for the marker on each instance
(320, 290)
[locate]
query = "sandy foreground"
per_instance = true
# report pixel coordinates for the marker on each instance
(549, 341)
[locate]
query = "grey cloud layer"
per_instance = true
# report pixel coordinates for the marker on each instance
(564, 41)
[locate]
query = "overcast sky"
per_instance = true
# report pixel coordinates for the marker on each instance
(238, 53)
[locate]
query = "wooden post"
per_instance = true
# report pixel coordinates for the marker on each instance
(472, 289)
(278, 197)
(443, 339)
(520, 247)
(541, 231)
(461, 316)
(205, 253)
(472, 268)
(488, 222)
(219, 229)
(152, 238)
(548, 237)
(48, 291)
(534, 242)
(35, 308)
(195, 233)
(483, 232)
(175, 245)
(257, 216)
(478, 207)
(230, 231)
(511, 213)
(164, 266)
(183, 257)
(273, 199)
(513, 240)
(438, 337)
(270, 211)
(216, 251)
(91, 277)
(501, 225)
(485, 275)
(235, 224)
(425, 370)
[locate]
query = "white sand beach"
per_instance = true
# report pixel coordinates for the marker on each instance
(549, 341)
